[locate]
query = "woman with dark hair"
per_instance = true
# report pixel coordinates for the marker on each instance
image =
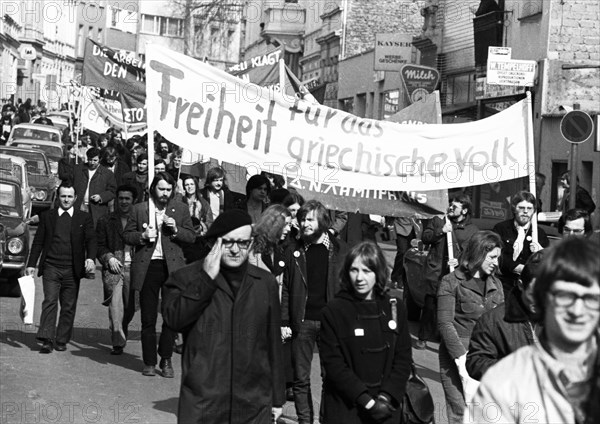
(364, 344)
(139, 178)
(258, 189)
(269, 232)
(199, 208)
(463, 296)
(293, 202)
(217, 194)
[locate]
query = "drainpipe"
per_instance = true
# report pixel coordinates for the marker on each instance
(344, 19)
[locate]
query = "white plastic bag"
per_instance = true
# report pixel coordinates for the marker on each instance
(27, 285)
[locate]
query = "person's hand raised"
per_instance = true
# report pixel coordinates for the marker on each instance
(212, 262)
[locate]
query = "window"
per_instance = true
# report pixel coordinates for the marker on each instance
(347, 105)
(161, 25)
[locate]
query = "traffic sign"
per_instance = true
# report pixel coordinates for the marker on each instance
(576, 126)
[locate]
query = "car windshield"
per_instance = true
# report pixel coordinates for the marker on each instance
(35, 134)
(9, 167)
(10, 200)
(53, 152)
(35, 161)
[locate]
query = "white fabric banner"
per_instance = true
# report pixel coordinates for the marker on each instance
(208, 111)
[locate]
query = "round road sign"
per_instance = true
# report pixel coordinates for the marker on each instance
(576, 126)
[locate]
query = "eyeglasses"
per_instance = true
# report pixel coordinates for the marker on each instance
(564, 299)
(242, 244)
(568, 230)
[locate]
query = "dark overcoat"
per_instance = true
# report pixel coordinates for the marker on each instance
(232, 367)
(362, 354)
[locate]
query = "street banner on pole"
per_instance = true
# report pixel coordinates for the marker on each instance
(324, 150)
(113, 70)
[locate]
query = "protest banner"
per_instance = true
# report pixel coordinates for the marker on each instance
(100, 110)
(115, 70)
(324, 150)
(262, 69)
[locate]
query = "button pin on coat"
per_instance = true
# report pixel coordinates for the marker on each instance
(359, 332)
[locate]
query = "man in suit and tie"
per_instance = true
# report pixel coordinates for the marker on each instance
(66, 241)
(95, 186)
(158, 252)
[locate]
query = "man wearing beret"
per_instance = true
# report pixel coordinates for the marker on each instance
(228, 311)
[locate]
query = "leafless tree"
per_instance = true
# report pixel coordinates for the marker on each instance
(199, 13)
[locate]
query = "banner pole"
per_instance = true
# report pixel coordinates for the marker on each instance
(531, 164)
(150, 149)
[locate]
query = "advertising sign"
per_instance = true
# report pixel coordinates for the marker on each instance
(419, 81)
(392, 51)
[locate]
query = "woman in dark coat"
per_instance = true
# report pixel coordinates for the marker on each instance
(364, 344)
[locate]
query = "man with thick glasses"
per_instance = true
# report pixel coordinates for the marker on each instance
(228, 312)
(517, 236)
(576, 222)
(557, 381)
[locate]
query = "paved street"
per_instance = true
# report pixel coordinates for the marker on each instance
(87, 385)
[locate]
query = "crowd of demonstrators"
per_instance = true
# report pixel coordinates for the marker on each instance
(364, 344)
(558, 379)
(158, 242)
(517, 236)
(508, 327)
(235, 374)
(282, 264)
(65, 244)
(437, 264)
(115, 257)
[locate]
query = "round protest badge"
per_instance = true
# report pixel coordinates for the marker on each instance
(392, 324)
(281, 264)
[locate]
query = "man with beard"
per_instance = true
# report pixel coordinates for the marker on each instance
(518, 240)
(158, 251)
(66, 241)
(228, 310)
(310, 280)
(115, 257)
(95, 186)
(112, 162)
(458, 225)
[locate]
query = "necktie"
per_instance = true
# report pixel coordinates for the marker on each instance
(518, 244)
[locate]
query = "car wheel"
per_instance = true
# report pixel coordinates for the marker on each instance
(10, 287)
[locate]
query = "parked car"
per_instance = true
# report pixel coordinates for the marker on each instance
(34, 132)
(14, 237)
(17, 167)
(41, 180)
(52, 149)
